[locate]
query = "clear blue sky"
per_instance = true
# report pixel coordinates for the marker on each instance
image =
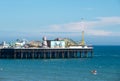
(28, 18)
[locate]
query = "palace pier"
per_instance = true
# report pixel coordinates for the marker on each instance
(46, 49)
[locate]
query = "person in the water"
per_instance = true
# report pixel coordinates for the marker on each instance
(94, 72)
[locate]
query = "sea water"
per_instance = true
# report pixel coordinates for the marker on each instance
(106, 62)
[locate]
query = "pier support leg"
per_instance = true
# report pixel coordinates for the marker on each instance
(26, 55)
(33, 54)
(86, 54)
(68, 55)
(75, 55)
(55, 54)
(44, 55)
(92, 54)
(21, 55)
(0, 53)
(50, 55)
(80, 54)
(62, 54)
(38, 55)
(14, 56)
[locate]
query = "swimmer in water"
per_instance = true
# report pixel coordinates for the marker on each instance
(94, 72)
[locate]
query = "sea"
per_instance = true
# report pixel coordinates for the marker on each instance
(106, 62)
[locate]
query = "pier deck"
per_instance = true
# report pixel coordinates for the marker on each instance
(45, 53)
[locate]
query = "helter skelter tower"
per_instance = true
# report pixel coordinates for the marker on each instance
(82, 43)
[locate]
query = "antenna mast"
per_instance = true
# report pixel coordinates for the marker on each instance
(82, 43)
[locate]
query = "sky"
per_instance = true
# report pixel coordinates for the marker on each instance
(33, 19)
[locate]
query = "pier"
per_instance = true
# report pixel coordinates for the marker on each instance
(45, 53)
(47, 49)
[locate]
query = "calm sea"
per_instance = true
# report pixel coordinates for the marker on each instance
(106, 61)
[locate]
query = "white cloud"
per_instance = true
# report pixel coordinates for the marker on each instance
(99, 32)
(103, 21)
(88, 26)
(110, 20)
(93, 27)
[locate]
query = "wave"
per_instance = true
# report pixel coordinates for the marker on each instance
(107, 55)
(1, 69)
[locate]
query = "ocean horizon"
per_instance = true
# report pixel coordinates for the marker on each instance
(106, 62)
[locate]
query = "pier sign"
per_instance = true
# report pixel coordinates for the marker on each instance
(57, 44)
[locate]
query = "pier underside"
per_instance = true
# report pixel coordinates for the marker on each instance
(45, 53)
